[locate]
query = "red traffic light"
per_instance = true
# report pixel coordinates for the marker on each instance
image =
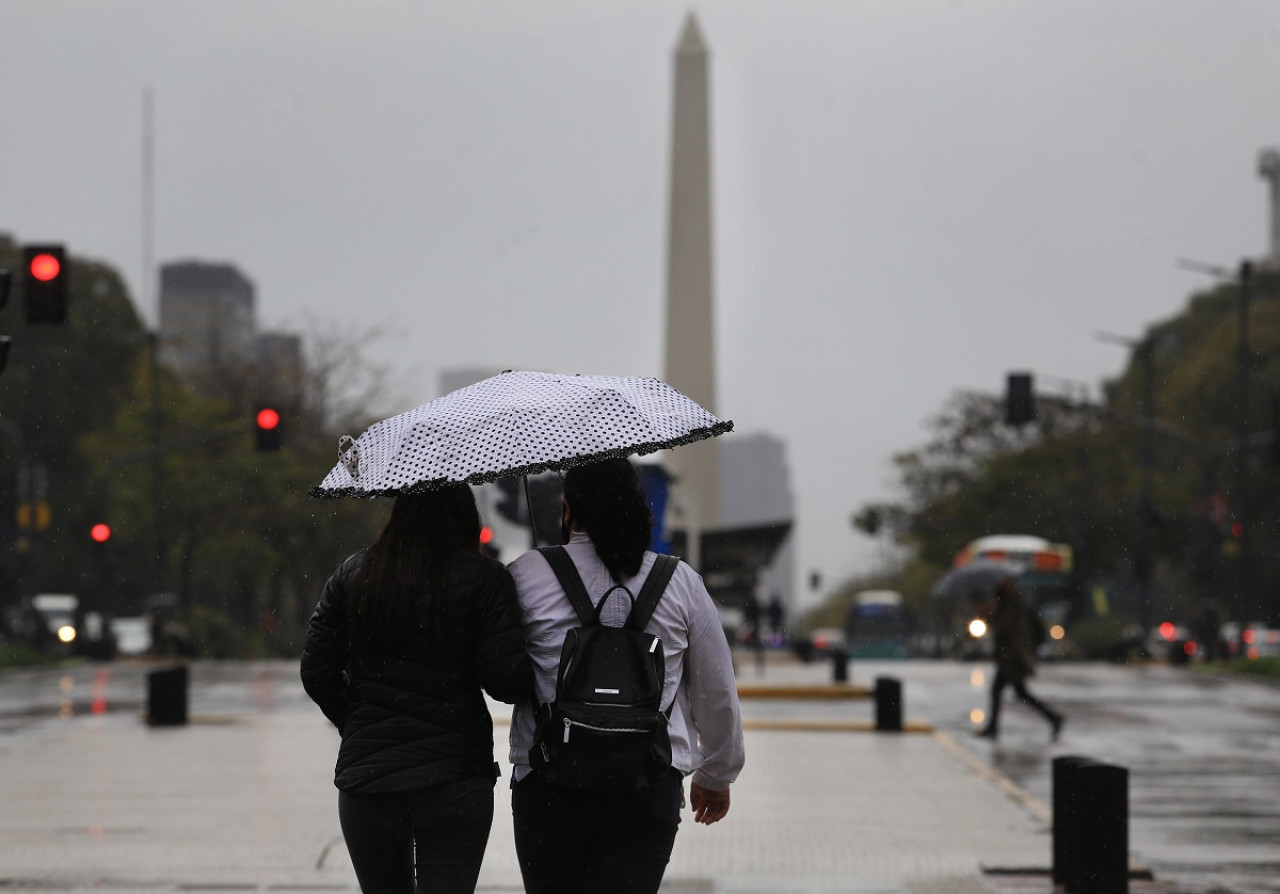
(486, 534)
(44, 274)
(267, 428)
(268, 419)
(44, 267)
(100, 533)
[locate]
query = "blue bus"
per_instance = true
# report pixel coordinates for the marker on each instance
(876, 625)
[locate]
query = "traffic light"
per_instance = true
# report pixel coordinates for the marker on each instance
(44, 277)
(100, 533)
(266, 423)
(1019, 399)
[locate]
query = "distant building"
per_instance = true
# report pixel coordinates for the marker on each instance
(209, 336)
(755, 489)
(208, 326)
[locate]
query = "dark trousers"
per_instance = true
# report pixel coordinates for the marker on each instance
(1020, 689)
(441, 831)
(571, 841)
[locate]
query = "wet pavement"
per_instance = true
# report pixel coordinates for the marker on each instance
(1203, 754)
(1202, 750)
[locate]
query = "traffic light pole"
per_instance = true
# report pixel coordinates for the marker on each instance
(21, 485)
(159, 535)
(1144, 564)
(1243, 577)
(528, 501)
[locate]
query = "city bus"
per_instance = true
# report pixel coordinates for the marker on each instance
(876, 625)
(1044, 580)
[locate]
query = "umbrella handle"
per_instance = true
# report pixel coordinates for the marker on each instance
(528, 502)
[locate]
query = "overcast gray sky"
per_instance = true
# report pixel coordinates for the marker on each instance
(910, 196)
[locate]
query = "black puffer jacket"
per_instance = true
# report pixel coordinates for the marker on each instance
(415, 717)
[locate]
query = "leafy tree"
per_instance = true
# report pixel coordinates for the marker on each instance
(1077, 474)
(193, 507)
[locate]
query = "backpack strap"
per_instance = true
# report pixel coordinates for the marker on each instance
(654, 586)
(570, 581)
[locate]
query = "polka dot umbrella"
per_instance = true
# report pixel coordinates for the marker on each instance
(517, 423)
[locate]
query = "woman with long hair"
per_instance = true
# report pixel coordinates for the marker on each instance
(621, 842)
(407, 634)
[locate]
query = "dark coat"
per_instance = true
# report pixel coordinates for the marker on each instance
(1011, 627)
(414, 716)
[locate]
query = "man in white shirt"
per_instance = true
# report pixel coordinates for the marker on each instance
(574, 840)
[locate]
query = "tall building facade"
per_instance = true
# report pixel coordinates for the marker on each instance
(207, 317)
(209, 335)
(755, 490)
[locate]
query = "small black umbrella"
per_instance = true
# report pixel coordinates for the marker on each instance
(978, 577)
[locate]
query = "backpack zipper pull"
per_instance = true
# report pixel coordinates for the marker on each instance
(567, 724)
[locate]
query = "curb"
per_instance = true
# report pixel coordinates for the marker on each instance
(831, 692)
(831, 726)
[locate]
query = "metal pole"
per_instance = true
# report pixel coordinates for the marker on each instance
(528, 502)
(1242, 459)
(160, 543)
(1144, 354)
(21, 494)
(1144, 498)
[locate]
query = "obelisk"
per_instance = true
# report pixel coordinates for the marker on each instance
(690, 341)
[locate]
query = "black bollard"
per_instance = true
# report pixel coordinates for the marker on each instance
(840, 665)
(1104, 839)
(1066, 817)
(1090, 826)
(888, 705)
(167, 696)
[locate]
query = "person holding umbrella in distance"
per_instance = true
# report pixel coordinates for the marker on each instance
(1015, 658)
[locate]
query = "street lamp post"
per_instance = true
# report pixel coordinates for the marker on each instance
(160, 543)
(1144, 350)
(1243, 578)
(1243, 278)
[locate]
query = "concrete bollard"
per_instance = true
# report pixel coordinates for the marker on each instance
(1090, 826)
(888, 694)
(167, 696)
(840, 666)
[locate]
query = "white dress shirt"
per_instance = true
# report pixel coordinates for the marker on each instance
(706, 727)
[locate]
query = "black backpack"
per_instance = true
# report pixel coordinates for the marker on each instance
(606, 730)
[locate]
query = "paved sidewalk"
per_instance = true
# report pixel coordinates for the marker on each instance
(244, 802)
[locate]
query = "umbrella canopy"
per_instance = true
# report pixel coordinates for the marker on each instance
(514, 424)
(977, 577)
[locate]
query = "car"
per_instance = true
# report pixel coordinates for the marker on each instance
(827, 641)
(1171, 642)
(132, 635)
(58, 612)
